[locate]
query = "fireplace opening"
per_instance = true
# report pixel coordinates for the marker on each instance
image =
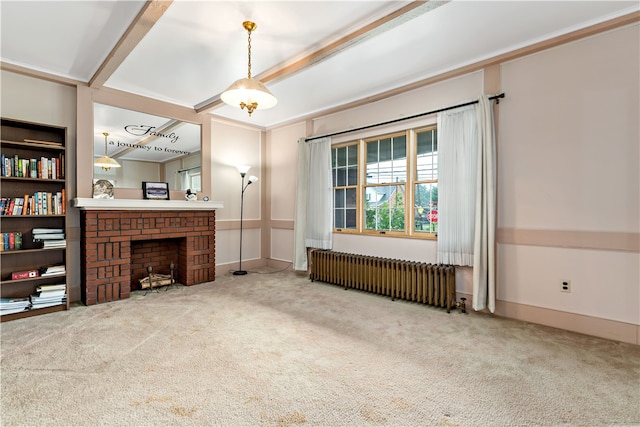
(159, 254)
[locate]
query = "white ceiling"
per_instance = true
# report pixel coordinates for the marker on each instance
(196, 49)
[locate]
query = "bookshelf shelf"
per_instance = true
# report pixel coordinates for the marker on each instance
(32, 251)
(29, 150)
(31, 145)
(32, 216)
(25, 179)
(33, 312)
(33, 279)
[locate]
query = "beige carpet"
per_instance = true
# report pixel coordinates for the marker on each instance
(278, 350)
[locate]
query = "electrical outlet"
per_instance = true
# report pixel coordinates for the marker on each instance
(565, 286)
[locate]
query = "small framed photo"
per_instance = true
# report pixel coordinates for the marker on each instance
(102, 189)
(155, 190)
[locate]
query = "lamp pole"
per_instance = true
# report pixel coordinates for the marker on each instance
(243, 171)
(240, 271)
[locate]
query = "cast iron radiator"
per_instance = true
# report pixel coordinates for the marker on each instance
(433, 284)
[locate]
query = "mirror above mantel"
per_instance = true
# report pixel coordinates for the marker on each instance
(148, 148)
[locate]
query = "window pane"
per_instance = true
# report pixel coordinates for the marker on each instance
(338, 197)
(427, 159)
(352, 175)
(338, 221)
(341, 175)
(350, 220)
(385, 150)
(342, 156)
(425, 142)
(400, 147)
(399, 173)
(384, 208)
(372, 152)
(426, 208)
(350, 198)
(352, 155)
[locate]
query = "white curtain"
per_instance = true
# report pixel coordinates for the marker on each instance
(457, 164)
(467, 186)
(484, 275)
(313, 227)
(300, 220)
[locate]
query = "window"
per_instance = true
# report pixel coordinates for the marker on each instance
(344, 161)
(385, 187)
(396, 190)
(425, 216)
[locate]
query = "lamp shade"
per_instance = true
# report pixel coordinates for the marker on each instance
(106, 162)
(243, 169)
(248, 91)
(253, 179)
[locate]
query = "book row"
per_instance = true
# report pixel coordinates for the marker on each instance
(41, 168)
(11, 241)
(45, 296)
(40, 203)
(52, 270)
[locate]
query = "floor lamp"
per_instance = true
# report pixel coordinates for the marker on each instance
(243, 171)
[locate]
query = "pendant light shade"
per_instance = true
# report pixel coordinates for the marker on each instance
(248, 92)
(106, 162)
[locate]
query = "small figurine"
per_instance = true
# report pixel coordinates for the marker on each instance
(190, 196)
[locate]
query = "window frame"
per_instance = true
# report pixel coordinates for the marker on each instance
(356, 187)
(416, 181)
(409, 184)
(365, 185)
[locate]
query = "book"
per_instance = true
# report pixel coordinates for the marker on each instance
(17, 209)
(25, 205)
(40, 230)
(28, 274)
(52, 270)
(4, 311)
(48, 236)
(14, 305)
(18, 240)
(52, 294)
(51, 288)
(51, 244)
(63, 202)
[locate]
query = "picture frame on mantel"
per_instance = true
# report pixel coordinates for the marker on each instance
(155, 190)
(102, 189)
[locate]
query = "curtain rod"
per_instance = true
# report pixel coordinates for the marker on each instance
(496, 97)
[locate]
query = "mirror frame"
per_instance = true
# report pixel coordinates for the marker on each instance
(87, 96)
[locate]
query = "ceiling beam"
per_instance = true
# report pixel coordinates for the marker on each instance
(150, 13)
(289, 68)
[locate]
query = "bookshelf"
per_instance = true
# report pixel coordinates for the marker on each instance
(32, 176)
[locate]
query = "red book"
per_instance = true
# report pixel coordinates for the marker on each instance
(24, 274)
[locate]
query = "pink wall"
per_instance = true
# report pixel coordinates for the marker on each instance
(568, 193)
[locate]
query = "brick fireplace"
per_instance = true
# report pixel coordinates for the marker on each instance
(118, 244)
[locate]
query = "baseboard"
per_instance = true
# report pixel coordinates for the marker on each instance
(588, 325)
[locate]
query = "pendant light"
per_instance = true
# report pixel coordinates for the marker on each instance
(106, 162)
(248, 92)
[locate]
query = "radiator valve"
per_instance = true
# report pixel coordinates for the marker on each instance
(462, 305)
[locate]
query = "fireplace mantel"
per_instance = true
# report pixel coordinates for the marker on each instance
(146, 205)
